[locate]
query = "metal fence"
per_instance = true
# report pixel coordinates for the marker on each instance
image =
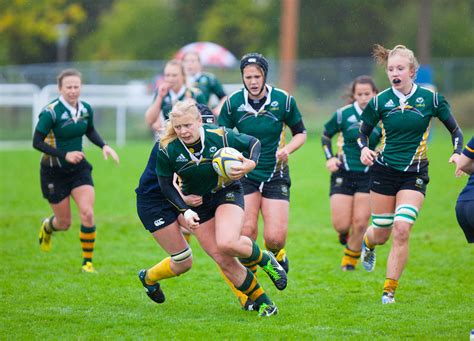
(120, 92)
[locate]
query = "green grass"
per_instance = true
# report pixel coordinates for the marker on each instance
(45, 296)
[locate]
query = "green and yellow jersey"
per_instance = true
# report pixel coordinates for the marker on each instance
(406, 123)
(64, 126)
(267, 124)
(194, 167)
(208, 84)
(171, 98)
(346, 120)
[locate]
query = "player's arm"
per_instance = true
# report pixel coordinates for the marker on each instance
(456, 133)
(39, 144)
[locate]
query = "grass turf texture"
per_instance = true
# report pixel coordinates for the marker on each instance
(44, 295)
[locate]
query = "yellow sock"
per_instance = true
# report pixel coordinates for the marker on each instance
(280, 255)
(160, 271)
(350, 257)
(370, 246)
(390, 285)
(239, 294)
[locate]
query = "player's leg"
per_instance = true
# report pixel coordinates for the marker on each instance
(84, 196)
(382, 207)
(242, 279)
(409, 203)
(60, 220)
(360, 220)
(275, 221)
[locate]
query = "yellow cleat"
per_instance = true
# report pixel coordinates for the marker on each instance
(45, 236)
(88, 267)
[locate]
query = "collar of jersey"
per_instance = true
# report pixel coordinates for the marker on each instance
(175, 96)
(357, 108)
(249, 108)
(72, 111)
(402, 98)
(191, 155)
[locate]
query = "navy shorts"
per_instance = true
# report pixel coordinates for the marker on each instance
(465, 218)
(233, 194)
(276, 188)
(349, 182)
(58, 182)
(388, 181)
(156, 213)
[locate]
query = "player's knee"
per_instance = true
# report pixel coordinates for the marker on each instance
(227, 247)
(250, 230)
(383, 221)
(406, 213)
(183, 260)
(359, 224)
(275, 242)
(87, 216)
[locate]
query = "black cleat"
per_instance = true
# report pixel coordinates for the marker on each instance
(275, 271)
(153, 291)
(266, 310)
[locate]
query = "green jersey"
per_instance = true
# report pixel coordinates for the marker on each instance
(406, 122)
(267, 124)
(171, 98)
(195, 167)
(64, 126)
(346, 121)
(208, 84)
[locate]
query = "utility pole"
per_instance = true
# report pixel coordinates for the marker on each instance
(288, 43)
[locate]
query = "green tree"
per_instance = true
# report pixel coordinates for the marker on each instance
(28, 28)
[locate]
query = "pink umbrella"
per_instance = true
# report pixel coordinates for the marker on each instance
(211, 54)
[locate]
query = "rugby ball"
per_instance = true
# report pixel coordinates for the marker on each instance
(224, 159)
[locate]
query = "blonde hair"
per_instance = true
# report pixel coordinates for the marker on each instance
(180, 109)
(179, 64)
(381, 56)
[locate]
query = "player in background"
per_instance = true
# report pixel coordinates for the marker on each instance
(172, 90)
(465, 202)
(264, 111)
(65, 172)
(349, 189)
(212, 206)
(205, 81)
(399, 172)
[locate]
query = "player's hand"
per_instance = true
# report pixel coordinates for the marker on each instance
(163, 89)
(239, 171)
(192, 200)
(367, 156)
(108, 151)
(333, 164)
(455, 158)
(282, 155)
(191, 218)
(74, 157)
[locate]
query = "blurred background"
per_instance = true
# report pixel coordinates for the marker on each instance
(315, 49)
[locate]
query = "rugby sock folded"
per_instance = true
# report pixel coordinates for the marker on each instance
(87, 237)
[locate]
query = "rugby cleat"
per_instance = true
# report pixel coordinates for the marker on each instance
(88, 267)
(250, 305)
(45, 236)
(266, 310)
(388, 298)
(348, 267)
(275, 271)
(283, 260)
(367, 257)
(153, 291)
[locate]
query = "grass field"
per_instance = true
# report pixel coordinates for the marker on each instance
(44, 296)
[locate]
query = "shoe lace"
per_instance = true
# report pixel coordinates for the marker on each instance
(262, 308)
(270, 270)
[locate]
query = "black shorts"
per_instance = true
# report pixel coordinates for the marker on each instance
(156, 213)
(349, 182)
(276, 188)
(58, 182)
(465, 218)
(233, 194)
(388, 181)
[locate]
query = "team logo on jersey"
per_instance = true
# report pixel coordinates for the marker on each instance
(159, 222)
(420, 102)
(389, 104)
(213, 149)
(274, 104)
(339, 181)
(352, 119)
(419, 182)
(181, 158)
(64, 116)
(241, 108)
(284, 190)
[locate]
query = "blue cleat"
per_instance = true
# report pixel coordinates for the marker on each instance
(367, 257)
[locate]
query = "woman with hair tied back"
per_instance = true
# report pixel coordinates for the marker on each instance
(399, 171)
